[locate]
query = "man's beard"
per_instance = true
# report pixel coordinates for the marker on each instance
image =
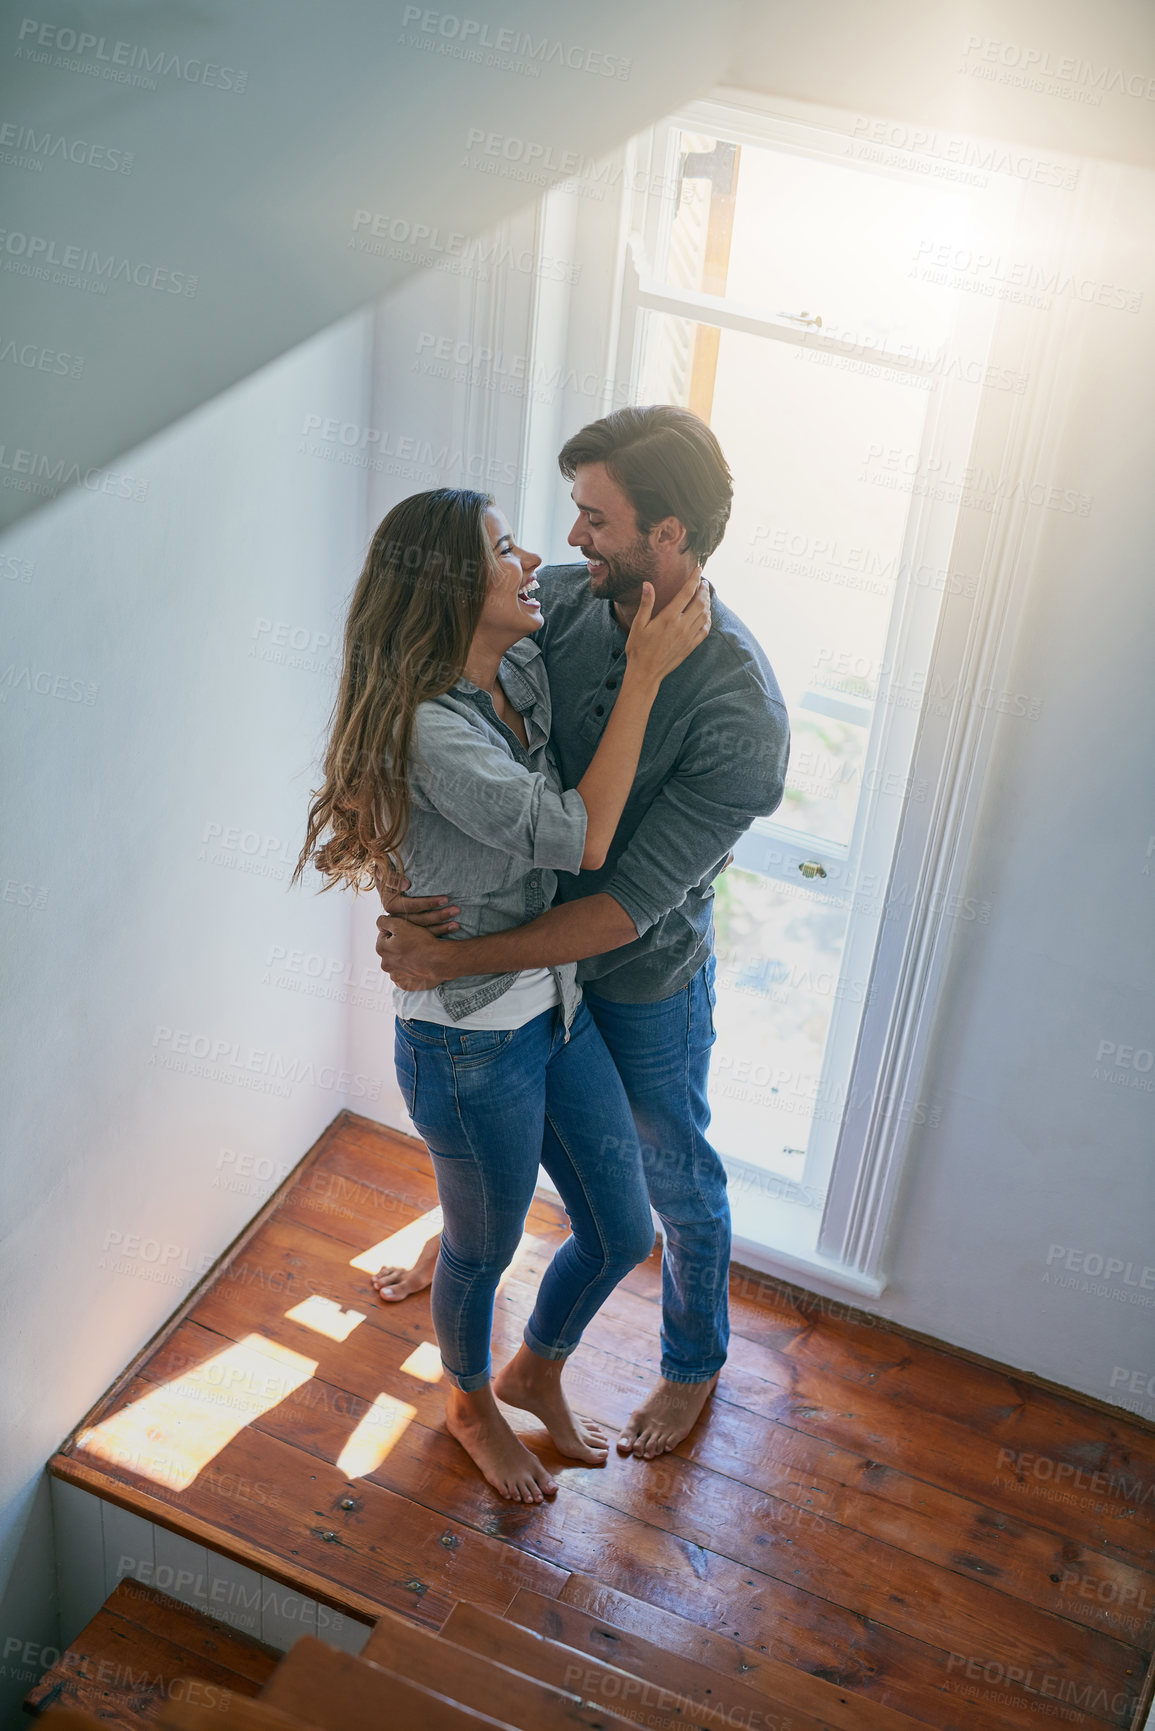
(625, 573)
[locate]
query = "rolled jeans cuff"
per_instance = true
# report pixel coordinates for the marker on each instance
(697, 1376)
(468, 1384)
(540, 1350)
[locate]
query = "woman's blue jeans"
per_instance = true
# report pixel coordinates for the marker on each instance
(493, 1105)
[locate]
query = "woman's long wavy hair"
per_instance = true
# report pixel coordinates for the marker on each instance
(411, 620)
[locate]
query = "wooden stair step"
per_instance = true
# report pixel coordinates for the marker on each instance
(337, 1692)
(679, 1699)
(478, 1675)
(237, 1712)
(143, 1648)
(668, 1649)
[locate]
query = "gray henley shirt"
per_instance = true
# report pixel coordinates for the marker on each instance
(491, 821)
(714, 758)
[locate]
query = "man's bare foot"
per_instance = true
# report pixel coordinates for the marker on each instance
(670, 1413)
(534, 1385)
(393, 1284)
(487, 1439)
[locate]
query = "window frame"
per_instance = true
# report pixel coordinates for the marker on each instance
(971, 653)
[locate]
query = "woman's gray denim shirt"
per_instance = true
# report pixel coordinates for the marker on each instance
(490, 819)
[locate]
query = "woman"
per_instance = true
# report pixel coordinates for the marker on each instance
(438, 766)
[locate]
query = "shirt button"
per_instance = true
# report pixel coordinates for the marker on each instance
(611, 684)
(599, 710)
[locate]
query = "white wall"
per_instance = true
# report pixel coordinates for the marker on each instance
(149, 834)
(1042, 1143)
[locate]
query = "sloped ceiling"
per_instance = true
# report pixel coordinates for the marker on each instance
(203, 167)
(218, 182)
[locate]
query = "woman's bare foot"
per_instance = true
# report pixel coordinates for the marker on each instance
(534, 1384)
(668, 1415)
(393, 1284)
(487, 1439)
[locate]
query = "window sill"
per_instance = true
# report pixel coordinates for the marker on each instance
(777, 1235)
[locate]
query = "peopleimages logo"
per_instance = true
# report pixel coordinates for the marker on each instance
(38, 472)
(493, 369)
(484, 43)
(1011, 1679)
(45, 683)
(1081, 80)
(39, 359)
(1064, 1473)
(953, 152)
(1019, 280)
(541, 164)
(34, 254)
(121, 62)
(980, 489)
(351, 443)
(424, 243)
(24, 147)
(1094, 1264)
(223, 1060)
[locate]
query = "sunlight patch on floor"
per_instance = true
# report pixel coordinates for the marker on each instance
(171, 1433)
(325, 1316)
(424, 1362)
(401, 1249)
(382, 1426)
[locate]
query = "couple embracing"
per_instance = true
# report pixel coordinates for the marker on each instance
(557, 770)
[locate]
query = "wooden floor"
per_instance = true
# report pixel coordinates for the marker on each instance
(936, 1536)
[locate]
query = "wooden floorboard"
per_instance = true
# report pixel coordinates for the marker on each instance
(868, 1508)
(743, 1687)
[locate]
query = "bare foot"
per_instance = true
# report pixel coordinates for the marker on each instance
(534, 1385)
(669, 1414)
(487, 1439)
(392, 1284)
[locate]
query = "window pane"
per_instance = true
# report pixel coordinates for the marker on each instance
(811, 556)
(785, 233)
(810, 562)
(779, 959)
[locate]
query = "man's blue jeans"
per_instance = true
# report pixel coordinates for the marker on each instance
(492, 1105)
(662, 1053)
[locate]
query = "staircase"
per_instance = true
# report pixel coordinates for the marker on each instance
(141, 1650)
(832, 1548)
(146, 1660)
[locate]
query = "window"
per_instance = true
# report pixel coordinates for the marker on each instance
(779, 288)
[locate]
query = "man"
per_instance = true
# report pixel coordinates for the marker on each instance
(652, 493)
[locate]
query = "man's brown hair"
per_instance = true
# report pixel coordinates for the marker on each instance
(668, 464)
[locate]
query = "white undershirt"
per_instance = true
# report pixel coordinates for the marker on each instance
(534, 990)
